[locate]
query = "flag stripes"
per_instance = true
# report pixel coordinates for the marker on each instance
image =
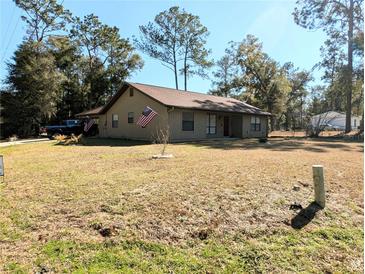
(147, 115)
(88, 125)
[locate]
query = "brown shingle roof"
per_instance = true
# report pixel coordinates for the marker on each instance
(183, 99)
(195, 100)
(90, 112)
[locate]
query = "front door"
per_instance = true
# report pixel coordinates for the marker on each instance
(226, 126)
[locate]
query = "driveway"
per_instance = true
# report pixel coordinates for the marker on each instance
(25, 141)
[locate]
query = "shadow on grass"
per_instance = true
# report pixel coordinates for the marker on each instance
(305, 216)
(283, 144)
(274, 144)
(112, 142)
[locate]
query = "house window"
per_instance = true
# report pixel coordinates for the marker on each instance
(188, 121)
(354, 122)
(211, 123)
(255, 123)
(130, 117)
(131, 92)
(115, 119)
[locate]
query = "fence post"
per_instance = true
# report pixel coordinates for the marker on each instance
(319, 190)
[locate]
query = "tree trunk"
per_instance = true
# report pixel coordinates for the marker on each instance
(287, 126)
(175, 71)
(272, 123)
(185, 77)
(301, 111)
(349, 67)
(272, 119)
(185, 70)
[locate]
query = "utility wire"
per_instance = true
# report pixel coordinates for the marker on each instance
(10, 21)
(11, 38)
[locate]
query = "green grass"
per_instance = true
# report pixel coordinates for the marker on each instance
(14, 267)
(57, 198)
(288, 251)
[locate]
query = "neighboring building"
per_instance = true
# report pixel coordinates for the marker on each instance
(188, 115)
(335, 120)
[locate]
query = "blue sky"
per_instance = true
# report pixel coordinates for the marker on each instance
(271, 21)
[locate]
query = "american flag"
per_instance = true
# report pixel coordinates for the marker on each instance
(146, 117)
(88, 124)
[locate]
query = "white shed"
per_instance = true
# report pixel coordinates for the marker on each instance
(334, 120)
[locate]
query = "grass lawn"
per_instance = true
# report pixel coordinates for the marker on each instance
(216, 207)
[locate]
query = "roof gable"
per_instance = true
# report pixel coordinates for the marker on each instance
(195, 100)
(187, 99)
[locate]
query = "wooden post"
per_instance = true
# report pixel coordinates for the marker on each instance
(319, 191)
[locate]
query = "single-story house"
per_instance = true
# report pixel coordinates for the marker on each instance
(188, 115)
(334, 120)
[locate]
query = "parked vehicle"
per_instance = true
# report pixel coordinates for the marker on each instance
(67, 127)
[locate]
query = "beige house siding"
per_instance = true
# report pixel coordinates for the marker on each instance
(135, 104)
(246, 127)
(200, 125)
(239, 124)
(102, 126)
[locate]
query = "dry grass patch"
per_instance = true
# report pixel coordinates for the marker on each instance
(300, 134)
(215, 207)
